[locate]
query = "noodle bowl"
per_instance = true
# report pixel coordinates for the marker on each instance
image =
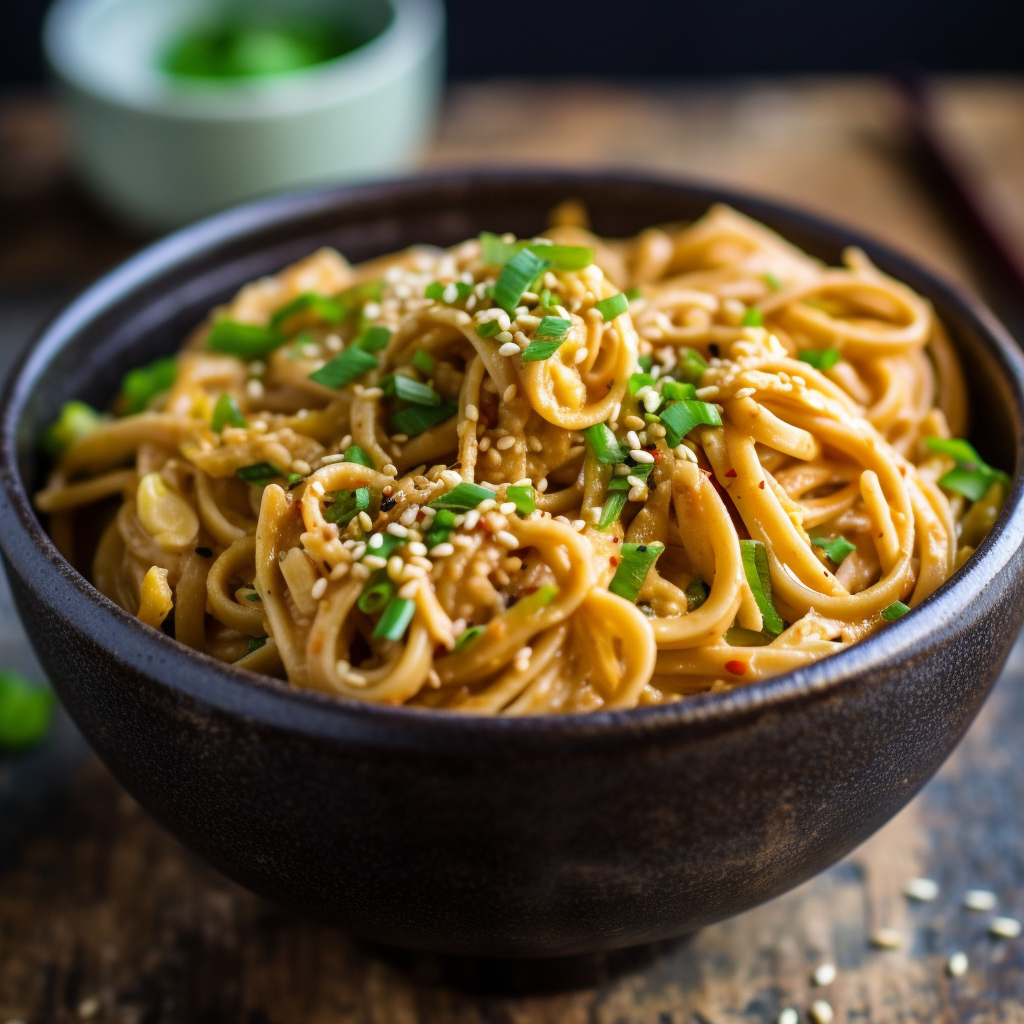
(543, 476)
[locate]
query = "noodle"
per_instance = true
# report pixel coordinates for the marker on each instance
(552, 476)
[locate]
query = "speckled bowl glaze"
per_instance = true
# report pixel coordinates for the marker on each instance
(497, 837)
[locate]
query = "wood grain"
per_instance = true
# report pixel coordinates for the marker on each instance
(105, 917)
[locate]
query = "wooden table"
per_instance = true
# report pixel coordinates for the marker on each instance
(105, 917)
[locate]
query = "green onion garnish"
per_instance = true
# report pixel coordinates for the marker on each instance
(618, 494)
(247, 341)
(415, 419)
(347, 505)
(550, 334)
(256, 642)
(463, 497)
(423, 361)
(375, 595)
(675, 391)
(633, 293)
(895, 611)
(638, 381)
(524, 497)
(25, 711)
(75, 421)
(456, 291)
(637, 560)
(261, 473)
(681, 417)
(488, 329)
(613, 306)
(737, 636)
(226, 414)
(605, 444)
(836, 549)
(373, 339)
(395, 620)
(515, 277)
(752, 318)
(383, 545)
(755, 565)
(253, 597)
(972, 476)
(772, 281)
(353, 453)
(409, 390)
(465, 637)
(646, 363)
(344, 368)
(293, 479)
(441, 528)
(494, 252)
(539, 350)
(324, 306)
(820, 358)
(141, 385)
(690, 366)
(697, 592)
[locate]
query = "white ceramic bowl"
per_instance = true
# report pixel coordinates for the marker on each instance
(160, 153)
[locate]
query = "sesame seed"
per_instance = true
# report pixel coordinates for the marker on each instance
(333, 343)
(510, 393)
(318, 589)
(788, 1016)
(408, 517)
(506, 508)
(301, 466)
(745, 393)
(633, 423)
(580, 355)
(416, 548)
(472, 518)
(706, 394)
(374, 562)
(397, 530)
(485, 443)
(824, 974)
(442, 550)
(957, 965)
(596, 512)
(652, 400)
(979, 899)
(487, 504)
(345, 442)
(254, 388)
(390, 470)
(643, 392)
(637, 493)
(341, 666)
(632, 440)
(450, 477)
(822, 1012)
(330, 460)
(510, 348)
(371, 310)
(504, 443)
(472, 413)
(260, 426)
(634, 481)
(639, 455)
(1004, 927)
(578, 525)
(506, 539)
(360, 572)
(396, 564)
(542, 484)
(504, 338)
(365, 522)
(399, 438)
(656, 430)
(886, 938)
(409, 590)
(354, 679)
(317, 488)
(525, 482)
(924, 890)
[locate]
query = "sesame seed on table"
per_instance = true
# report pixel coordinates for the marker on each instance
(104, 917)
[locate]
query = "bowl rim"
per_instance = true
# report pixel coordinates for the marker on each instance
(413, 28)
(277, 705)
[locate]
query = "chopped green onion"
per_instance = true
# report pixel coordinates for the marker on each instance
(646, 363)
(256, 642)
(344, 368)
(895, 611)
(538, 350)
(613, 306)
(415, 419)
(253, 597)
(772, 281)
(375, 595)
(524, 498)
(293, 479)
(752, 318)
(247, 341)
(488, 329)
(633, 293)
(227, 414)
(681, 417)
(820, 358)
(383, 545)
(353, 453)
(548, 299)
(441, 528)
(409, 390)
(697, 592)
(465, 637)
(495, 251)
(462, 497)
(26, 710)
(75, 421)
(836, 549)
(675, 390)
(324, 306)
(395, 620)
(423, 361)
(755, 565)
(614, 502)
(972, 476)
(373, 339)
(638, 381)
(347, 505)
(437, 291)
(605, 444)
(141, 385)
(516, 277)
(261, 473)
(553, 328)
(637, 560)
(537, 601)
(690, 366)
(737, 636)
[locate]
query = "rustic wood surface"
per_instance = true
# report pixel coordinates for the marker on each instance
(105, 917)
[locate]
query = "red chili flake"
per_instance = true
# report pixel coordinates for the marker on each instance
(614, 561)
(737, 668)
(761, 485)
(653, 450)
(616, 540)
(731, 472)
(530, 590)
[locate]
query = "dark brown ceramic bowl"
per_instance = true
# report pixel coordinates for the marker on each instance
(497, 837)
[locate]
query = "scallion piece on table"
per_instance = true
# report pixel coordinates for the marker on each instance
(515, 277)
(462, 497)
(488, 329)
(260, 473)
(75, 421)
(681, 417)
(247, 341)
(415, 419)
(347, 505)
(326, 308)
(895, 611)
(605, 444)
(837, 548)
(424, 362)
(697, 592)
(752, 318)
(820, 358)
(972, 476)
(467, 636)
(690, 365)
(613, 306)
(376, 594)
(398, 386)
(395, 620)
(524, 497)
(344, 368)
(636, 563)
(26, 710)
(141, 385)
(226, 414)
(755, 565)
